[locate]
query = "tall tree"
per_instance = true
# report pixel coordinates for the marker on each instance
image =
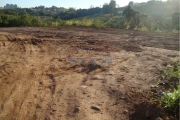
(112, 6)
(106, 8)
(25, 19)
(131, 3)
(135, 19)
(175, 18)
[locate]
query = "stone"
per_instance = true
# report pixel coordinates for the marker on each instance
(154, 86)
(83, 86)
(158, 118)
(76, 110)
(97, 108)
(125, 111)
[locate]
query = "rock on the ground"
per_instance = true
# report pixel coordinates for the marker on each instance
(97, 108)
(76, 110)
(158, 118)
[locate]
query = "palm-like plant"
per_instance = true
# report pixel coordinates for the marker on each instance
(135, 19)
(131, 17)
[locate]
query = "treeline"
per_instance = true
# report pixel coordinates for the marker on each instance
(136, 20)
(125, 18)
(130, 19)
(24, 19)
(153, 8)
(71, 13)
(8, 20)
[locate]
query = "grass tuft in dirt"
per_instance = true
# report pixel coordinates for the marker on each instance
(169, 99)
(163, 99)
(170, 102)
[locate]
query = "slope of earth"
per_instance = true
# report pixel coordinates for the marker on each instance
(71, 73)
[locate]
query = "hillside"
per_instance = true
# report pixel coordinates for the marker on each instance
(163, 9)
(151, 16)
(156, 9)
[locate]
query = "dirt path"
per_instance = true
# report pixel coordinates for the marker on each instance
(78, 73)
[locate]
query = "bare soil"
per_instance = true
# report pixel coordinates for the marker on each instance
(73, 73)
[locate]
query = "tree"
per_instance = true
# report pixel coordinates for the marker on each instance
(53, 8)
(175, 18)
(129, 13)
(112, 6)
(131, 3)
(25, 19)
(106, 8)
(135, 19)
(0, 20)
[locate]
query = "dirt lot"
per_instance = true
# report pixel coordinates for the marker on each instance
(71, 73)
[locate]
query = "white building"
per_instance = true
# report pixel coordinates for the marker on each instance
(10, 6)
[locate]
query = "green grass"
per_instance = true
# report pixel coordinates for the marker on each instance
(83, 22)
(169, 85)
(170, 101)
(172, 73)
(106, 19)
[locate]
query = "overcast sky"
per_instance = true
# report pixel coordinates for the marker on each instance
(65, 3)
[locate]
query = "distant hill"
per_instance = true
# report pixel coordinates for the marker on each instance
(165, 9)
(155, 9)
(163, 16)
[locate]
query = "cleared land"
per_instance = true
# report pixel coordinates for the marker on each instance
(70, 73)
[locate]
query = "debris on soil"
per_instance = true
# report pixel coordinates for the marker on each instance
(160, 93)
(83, 86)
(76, 110)
(158, 118)
(154, 86)
(97, 108)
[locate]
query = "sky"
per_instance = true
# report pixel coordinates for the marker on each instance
(65, 3)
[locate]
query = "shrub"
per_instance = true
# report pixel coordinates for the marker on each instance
(172, 73)
(170, 101)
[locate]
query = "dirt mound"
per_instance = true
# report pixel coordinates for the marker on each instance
(80, 73)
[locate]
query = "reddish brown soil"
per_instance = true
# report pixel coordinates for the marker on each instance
(40, 80)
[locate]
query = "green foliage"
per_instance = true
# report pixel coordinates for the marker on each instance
(109, 8)
(136, 20)
(98, 24)
(143, 16)
(172, 73)
(131, 18)
(131, 3)
(175, 20)
(82, 22)
(8, 20)
(25, 19)
(112, 6)
(173, 70)
(170, 101)
(106, 8)
(177, 27)
(157, 8)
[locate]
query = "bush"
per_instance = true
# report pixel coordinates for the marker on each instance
(170, 101)
(172, 73)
